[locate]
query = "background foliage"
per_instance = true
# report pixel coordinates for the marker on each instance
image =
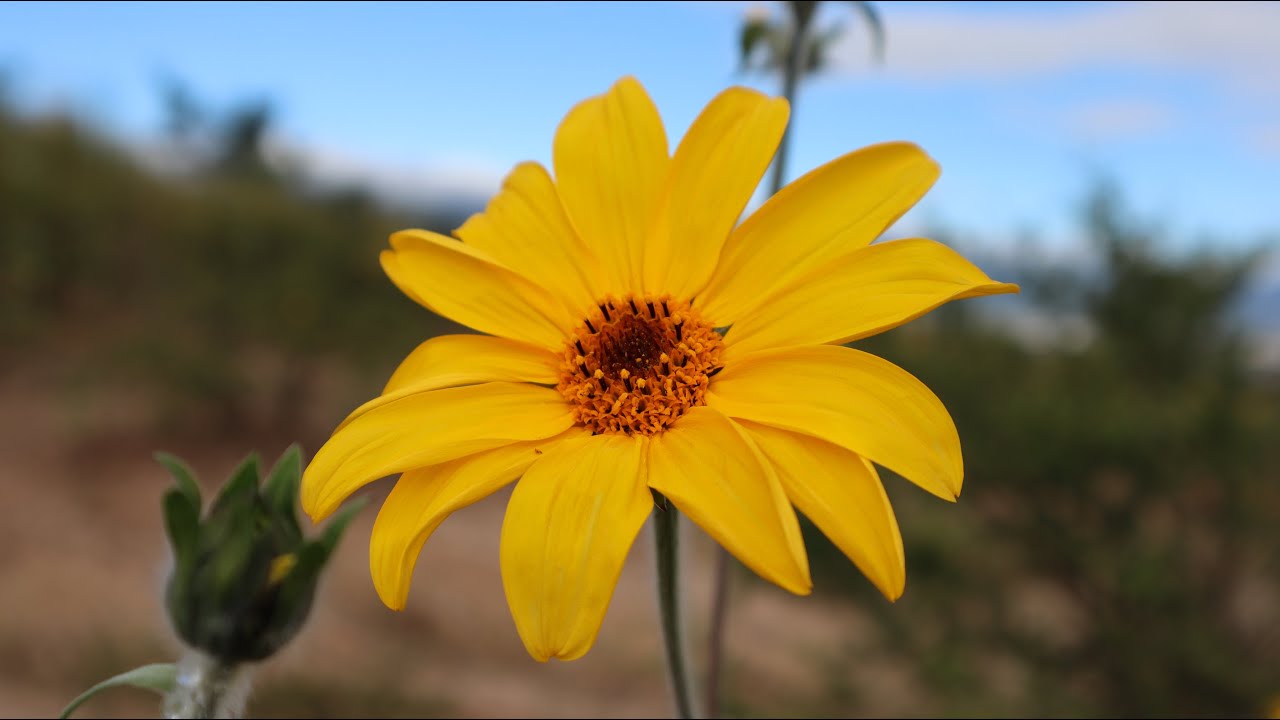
(1115, 550)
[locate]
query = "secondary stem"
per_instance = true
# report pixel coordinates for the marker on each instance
(207, 688)
(792, 70)
(665, 526)
(719, 607)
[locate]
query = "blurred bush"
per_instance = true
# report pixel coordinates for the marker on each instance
(192, 283)
(1115, 550)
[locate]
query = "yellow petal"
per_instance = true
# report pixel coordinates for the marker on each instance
(842, 205)
(841, 493)
(611, 163)
(569, 525)
(525, 227)
(467, 285)
(451, 360)
(423, 498)
(454, 360)
(411, 429)
(714, 172)
(862, 293)
(717, 477)
(855, 400)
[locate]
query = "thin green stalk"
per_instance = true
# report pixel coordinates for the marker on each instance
(665, 526)
(792, 70)
(719, 608)
(207, 688)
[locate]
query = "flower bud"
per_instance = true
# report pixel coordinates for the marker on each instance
(243, 576)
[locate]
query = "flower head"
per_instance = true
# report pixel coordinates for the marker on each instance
(243, 575)
(638, 339)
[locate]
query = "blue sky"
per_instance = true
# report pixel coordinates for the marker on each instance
(1021, 103)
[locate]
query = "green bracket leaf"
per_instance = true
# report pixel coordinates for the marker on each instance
(182, 523)
(281, 486)
(242, 487)
(183, 476)
(160, 677)
(333, 531)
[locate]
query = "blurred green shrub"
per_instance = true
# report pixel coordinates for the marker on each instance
(186, 282)
(1115, 551)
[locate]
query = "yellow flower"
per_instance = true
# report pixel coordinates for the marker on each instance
(603, 374)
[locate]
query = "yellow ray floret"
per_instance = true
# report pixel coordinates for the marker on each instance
(637, 339)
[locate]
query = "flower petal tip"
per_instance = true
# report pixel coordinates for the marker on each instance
(801, 585)
(401, 238)
(387, 259)
(309, 496)
(630, 81)
(541, 657)
(315, 505)
(391, 599)
(575, 651)
(955, 486)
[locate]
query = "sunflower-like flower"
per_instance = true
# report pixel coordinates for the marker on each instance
(637, 339)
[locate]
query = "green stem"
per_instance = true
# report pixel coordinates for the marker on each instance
(207, 688)
(665, 526)
(792, 70)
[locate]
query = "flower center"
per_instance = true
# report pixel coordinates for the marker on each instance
(637, 364)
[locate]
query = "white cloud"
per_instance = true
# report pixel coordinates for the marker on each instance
(1118, 119)
(1236, 41)
(1266, 141)
(440, 182)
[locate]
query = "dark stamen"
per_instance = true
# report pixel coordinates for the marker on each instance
(713, 372)
(666, 369)
(652, 313)
(627, 382)
(605, 309)
(581, 350)
(665, 312)
(583, 368)
(634, 309)
(679, 330)
(603, 385)
(684, 360)
(591, 327)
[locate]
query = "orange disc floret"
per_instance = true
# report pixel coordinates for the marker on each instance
(636, 364)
